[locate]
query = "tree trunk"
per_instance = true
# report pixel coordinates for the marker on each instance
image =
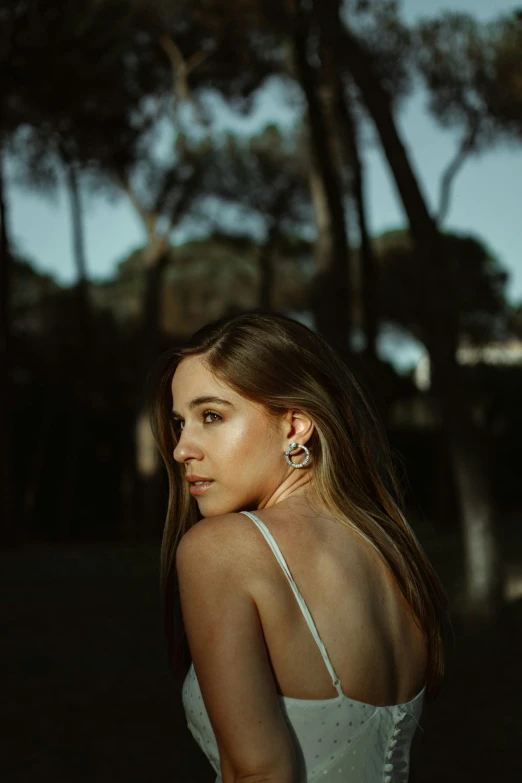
(128, 478)
(79, 390)
(149, 507)
(152, 323)
(73, 445)
(10, 532)
(368, 277)
(79, 253)
(332, 295)
(483, 584)
(37, 460)
(446, 512)
(484, 579)
(266, 267)
(142, 482)
(323, 243)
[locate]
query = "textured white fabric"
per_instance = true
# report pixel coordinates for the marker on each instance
(337, 740)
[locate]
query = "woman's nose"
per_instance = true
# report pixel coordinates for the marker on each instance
(185, 448)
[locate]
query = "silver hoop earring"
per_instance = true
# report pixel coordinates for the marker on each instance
(293, 446)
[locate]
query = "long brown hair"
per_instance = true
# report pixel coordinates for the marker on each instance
(276, 361)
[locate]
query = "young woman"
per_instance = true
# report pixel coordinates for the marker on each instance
(309, 619)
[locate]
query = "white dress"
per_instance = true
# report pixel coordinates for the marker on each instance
(336, 740)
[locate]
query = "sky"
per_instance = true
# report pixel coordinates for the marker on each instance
(486, 201)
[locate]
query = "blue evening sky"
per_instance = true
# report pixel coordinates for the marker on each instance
(487, 196)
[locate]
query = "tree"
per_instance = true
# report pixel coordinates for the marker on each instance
(83, 104)
(84, 109)
(484, 586)
(264, 176)
(7, 510)
(388, 40)
(478, 278)
(472, 72)
(332, 295)
(207, 276)
(515, 320)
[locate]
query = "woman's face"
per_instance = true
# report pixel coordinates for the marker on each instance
(231, 442)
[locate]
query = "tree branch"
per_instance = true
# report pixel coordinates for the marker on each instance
(181, 68)
(465, 149)
(149, 219)
(183, 202)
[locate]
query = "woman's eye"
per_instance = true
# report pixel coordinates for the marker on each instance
(178, 422)
(211, 413)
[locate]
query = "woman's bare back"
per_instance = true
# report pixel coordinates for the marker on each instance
(365, 623)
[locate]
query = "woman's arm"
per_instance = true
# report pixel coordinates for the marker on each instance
(229, 654)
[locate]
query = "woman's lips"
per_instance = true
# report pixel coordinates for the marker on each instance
(198, 489)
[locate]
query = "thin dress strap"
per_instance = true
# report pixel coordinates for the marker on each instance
(308, 617)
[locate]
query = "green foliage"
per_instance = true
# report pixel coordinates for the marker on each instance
(73, 84)
(504, 90)
(230, 48)
(515, 320)
(477, 277)
(203, 278)
(107, 70)
(387, 39)
(266, 176)
(31, 292)
(473, 73)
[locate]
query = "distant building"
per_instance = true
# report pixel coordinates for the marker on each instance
(507, 352)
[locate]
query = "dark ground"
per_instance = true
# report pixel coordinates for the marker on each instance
(87, 696)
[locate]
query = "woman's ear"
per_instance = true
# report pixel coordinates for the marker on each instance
(298, 426)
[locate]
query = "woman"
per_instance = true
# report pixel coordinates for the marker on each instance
(312, 617)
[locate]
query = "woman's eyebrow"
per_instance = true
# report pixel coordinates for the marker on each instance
(203, 400)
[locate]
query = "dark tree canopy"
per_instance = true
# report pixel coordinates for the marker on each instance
(478, 279)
